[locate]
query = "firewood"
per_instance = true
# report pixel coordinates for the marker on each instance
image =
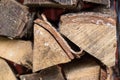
(82, 69)
(106, 2)
(33, 76)
(17, 51)
(52, 73)
(51, 3)
(13, 17)
(66, 2)
(5, 71)
(47, 51)
(93, 32)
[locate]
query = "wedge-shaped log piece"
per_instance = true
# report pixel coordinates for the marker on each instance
(13, 17)
(107, 2)
(82, 69)
(52, 73)
(93, 32)
(47, 51)
(51, 3)
(17, 51)
(5, 71)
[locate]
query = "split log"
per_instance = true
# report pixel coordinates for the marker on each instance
(13, 17)
(93, 32)
(106, 2)
(51, 3)
(33, 76)
(17, 51)
(47, 51)
(5, 71)
(82, 69)
(49, 46)
(52, 73)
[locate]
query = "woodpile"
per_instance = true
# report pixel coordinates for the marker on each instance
(57, 40)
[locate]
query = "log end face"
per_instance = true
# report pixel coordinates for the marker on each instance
(47, 51)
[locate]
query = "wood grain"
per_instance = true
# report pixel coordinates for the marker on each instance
(82, 69)
(17, 51)
(93, 32)
(5, 71)
(13, 17)
(47, 52)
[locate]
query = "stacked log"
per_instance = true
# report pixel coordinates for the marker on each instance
(93, 32)
(76, 43)
(13, 18)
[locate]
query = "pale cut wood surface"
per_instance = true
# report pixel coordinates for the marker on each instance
(17, 51)
(82, 69)
(93, 32)
(5, 71)
(47, 51)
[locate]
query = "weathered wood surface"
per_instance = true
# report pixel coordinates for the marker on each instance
(33, 76)
(107, 2)
(52, 73)
(13, 17)
(5, 71)
(104, 10)
(17, 51)
(93, 32)
(47, 51)
(51, 3)
(66, 2)
(82, 69)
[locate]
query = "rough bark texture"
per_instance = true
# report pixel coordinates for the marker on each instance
(47, 52)
(82, 69)
(13, 17)
(93, 32)
(17, 51)
(5, 71)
